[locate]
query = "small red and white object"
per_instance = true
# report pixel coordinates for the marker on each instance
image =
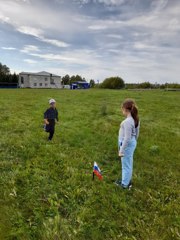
(97, 171)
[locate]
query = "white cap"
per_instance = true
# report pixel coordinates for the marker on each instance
(52, 101)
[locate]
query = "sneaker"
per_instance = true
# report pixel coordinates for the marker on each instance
(129, 186)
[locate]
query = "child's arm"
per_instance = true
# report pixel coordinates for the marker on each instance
(127, 137)
(45, 118)
(137, 131)
(46, 121)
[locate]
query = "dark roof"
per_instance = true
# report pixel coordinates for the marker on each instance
(43, 73)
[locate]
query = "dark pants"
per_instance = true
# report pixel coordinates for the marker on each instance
(50, 128)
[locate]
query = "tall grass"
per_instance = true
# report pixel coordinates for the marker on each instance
(47, 191)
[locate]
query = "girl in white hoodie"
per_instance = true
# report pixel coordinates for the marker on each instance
(127, 140)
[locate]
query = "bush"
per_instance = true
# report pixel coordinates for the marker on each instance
(113, 83)
(145, 85)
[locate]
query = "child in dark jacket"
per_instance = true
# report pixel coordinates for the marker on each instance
(50, 116)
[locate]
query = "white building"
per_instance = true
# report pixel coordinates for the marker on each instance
(39, 80)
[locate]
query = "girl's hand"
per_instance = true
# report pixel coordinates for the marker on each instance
(46, 122)
(121, 154)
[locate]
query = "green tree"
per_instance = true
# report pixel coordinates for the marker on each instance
(4, 73)
(66, 80)
(113, 83)
(77, 78)
(145, 85)
(14, 78)
(4, 69)
(6, 76)
(72, 79)
(92, 83)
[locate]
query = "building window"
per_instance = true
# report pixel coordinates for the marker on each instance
(35, 84)
(46, 79)
(40, 84)
(22, 80)
(46, 84)
(52, 81)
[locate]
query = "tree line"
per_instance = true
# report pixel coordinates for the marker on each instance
(148, 85)
(118, 83)
(6, 76)
(110, 83)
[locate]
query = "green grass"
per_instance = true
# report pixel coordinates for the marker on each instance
(47, 190)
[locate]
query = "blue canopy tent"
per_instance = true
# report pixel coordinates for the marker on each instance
(80, 85)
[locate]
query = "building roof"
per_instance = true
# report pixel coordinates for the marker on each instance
(43, 73)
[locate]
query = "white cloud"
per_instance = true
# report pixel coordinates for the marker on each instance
(97, 27)
(55, 42)
(30, 31)
(143, 46)
(174, 24)
(111, 2)
(30, 61)
(54, 57)
(159, 5)
(4, 19)
(106, 2)
(30, 48)
(8, 48)
(22, 1)
(38, 33)
(85, 57)
(116, 36)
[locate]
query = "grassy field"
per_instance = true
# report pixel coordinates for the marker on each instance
(47, 190)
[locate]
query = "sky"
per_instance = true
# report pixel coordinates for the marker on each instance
(138, 40)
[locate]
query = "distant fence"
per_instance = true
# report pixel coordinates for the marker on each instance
(172, 89)
(8, 85)
(153, 89)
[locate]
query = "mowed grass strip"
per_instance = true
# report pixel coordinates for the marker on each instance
(47, 191)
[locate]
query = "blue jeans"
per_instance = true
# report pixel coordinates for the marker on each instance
(127, 162)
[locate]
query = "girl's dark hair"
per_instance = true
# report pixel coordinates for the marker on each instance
(130, 105)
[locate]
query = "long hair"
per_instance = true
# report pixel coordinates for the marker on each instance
(130, 105)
